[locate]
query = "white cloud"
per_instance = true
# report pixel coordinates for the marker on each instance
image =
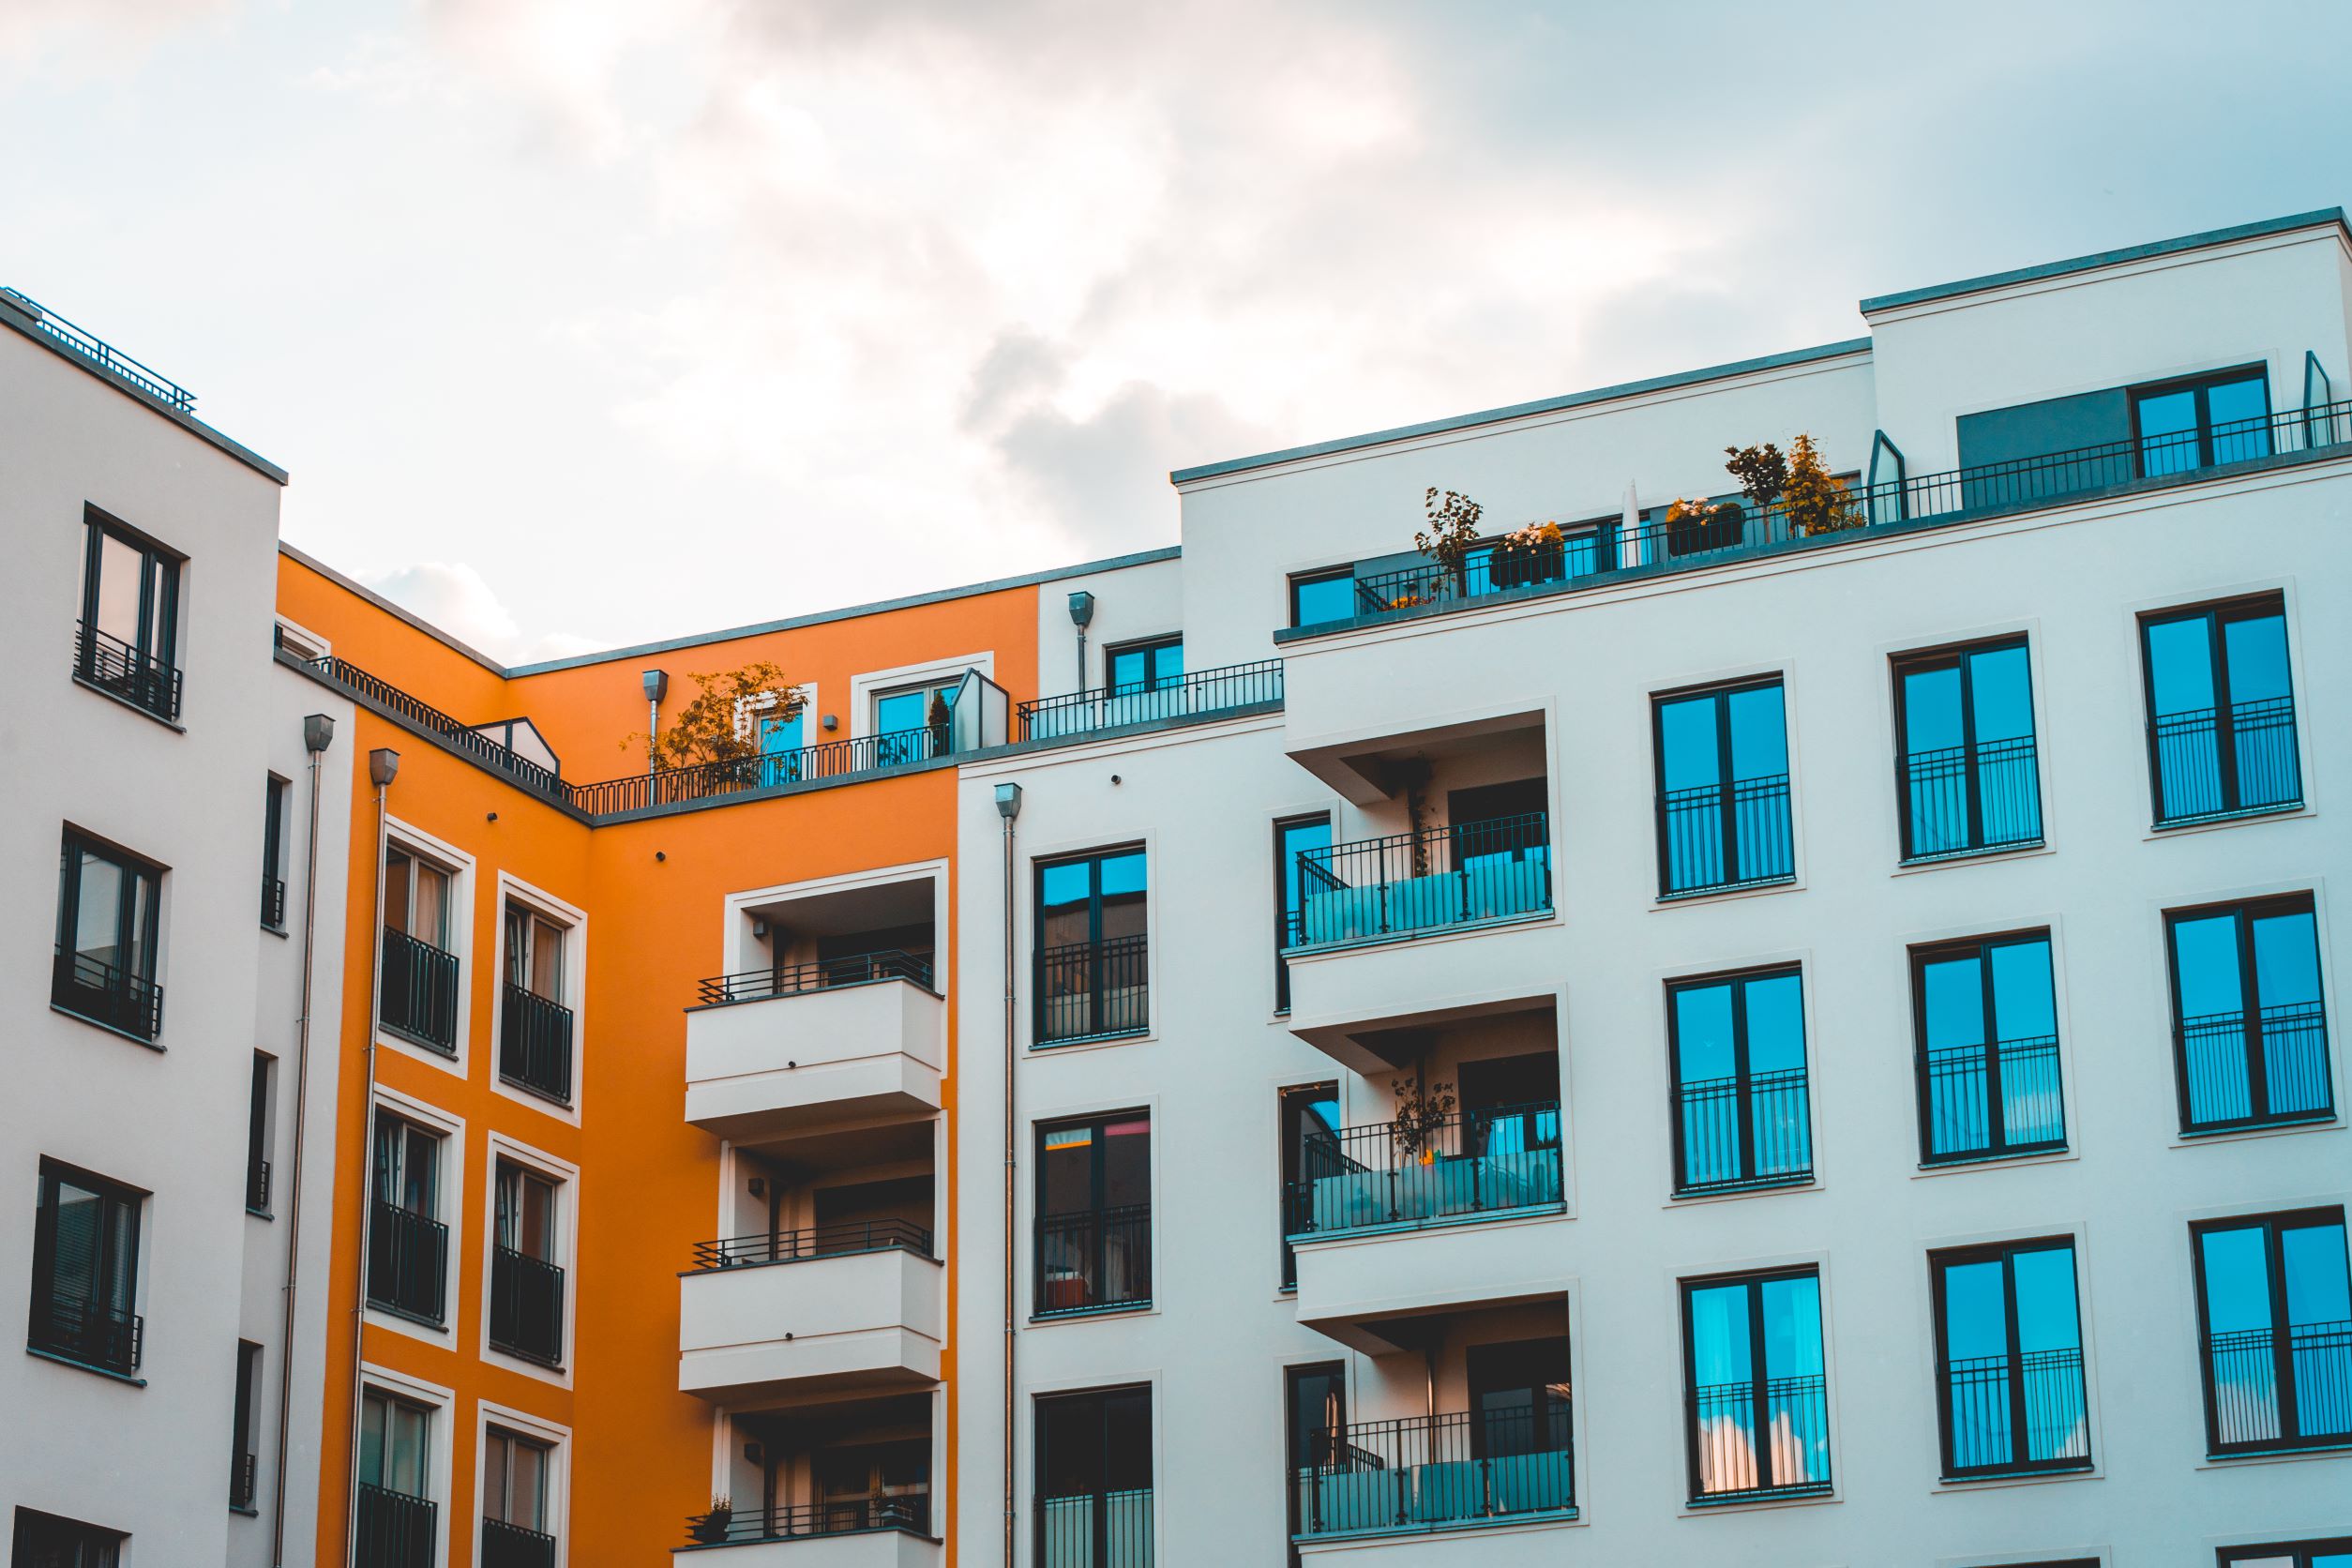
(457, 598)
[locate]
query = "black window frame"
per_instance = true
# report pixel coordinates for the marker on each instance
(133, 1006)
(1959, 656)
(1286, 870)
(257, 1136)
(92, 1545)
(1325, 574)
(1745, 1090)
(411, 1245)
(1100, 1552)
(121, 1343)
(276, 792)
(2245, 912)
(1105, 1217)
(149, 677)
(1146, 646)
(2000, 1147)
(1728, 807)
(2303, 1553)
(244, 1482)
(1292, 1096)
(1761, 1377)
(527, 1290)
(2202, 385)
(2219, 614)
(1131, 958)
(2284, 1392)
(1941, 1261)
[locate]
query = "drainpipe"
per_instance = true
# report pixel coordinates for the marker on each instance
(383, 764)
(1008, 806)
(318, 734)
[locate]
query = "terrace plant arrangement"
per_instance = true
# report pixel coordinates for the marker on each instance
(705, 731)
(1452, 533)
(1421, 1115)
(1800, 483)
(1528, 554)
(1702, 524)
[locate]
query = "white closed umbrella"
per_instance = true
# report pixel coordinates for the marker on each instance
(1632, 551)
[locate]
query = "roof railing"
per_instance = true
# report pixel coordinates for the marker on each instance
(87, 345)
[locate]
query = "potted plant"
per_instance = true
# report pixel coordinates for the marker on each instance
(1814, 500)
(1453, 531)
(1528, 554)
(1693, 526)
(711, 1529)
(1421, 1116)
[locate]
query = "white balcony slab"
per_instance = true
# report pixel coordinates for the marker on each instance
(880, 1548)
(1370, 1006)
(1362, 1290)
(767, 1332)
(1489, 1545)
(799, 1062)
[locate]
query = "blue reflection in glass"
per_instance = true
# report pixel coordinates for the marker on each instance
(1995, 1385)
(1702, 810)
(2168, 426)
(1739, 1070)
(1317, 599)
(1967, 1053)
(2228, 1015)
(1759, 1408)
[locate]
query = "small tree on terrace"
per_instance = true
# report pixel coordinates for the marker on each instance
(704, 730)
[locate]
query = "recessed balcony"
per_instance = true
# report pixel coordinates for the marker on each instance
(782, 1051)
(827, 1310)
(890, 1535)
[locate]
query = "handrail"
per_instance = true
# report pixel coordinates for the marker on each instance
(140, 678)
(105, 355)
(790, 1521)
(858, 969)
(130, 1003)
(1199, 694)
(838, 1239)
(827, 760)
(464, 737)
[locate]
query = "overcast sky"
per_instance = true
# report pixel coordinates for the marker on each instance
(584, 321)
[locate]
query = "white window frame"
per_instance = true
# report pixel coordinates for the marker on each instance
(415, 841)
(443, 1402)
(448, 1205)
(513, 889)
(301, 642)
(500, 1146)
(559, 1469)
(881, 683)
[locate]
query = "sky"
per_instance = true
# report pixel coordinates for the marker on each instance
(581, 322)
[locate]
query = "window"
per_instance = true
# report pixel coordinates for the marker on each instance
(1741, 1112)
(1758, 1420)
(535, 1028)
(1988, 1049)
(913, 722)
(408, 1247)
(109, 910)
(46, 1541)
(2250, 1033)
(1321, 596)
(2221, 712)
(1293, 839)
(1310, 1141)
(1144, 666)
(2336, 1553)
(1970, 781)
(244, 1484)
(2275, 1310)
(395, 1513)
(2189, 425)
(1094, 1214)
(419, 999)
(526, 1316)
(129, 634)
(1094, 1479)
(85, 1270)
(516, 1531)
(2008, 1350)
(257, 1139)
(1092, 975)
(274, 855)
(1518, 1398)
(1314, 1412)
(873, 1486)
(1723, 790)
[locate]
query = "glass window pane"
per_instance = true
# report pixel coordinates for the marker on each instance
(1931, 710)
(1703, 1037)
(1066, 1170)
(2317, 1290)
(2001, 690)
(2023, 999)
(1688, 744)
(1776, 1024)
(97, 915)
(2180, 665)
(374, 1411)
(2046, 1300)
(1976, 1310)
(2204, 955)
(2287, 959)
(2237, 1279)
(2236, 410)
(1953, 1002)
(2256, 650)
(121, 568)
(1792, 1327)
(1323, 598)
(1720, 1351)
(1126, 1162)
(1167, 663)
(2169, 424)
(1759, 738)
(497, 1458)
(78, 1231)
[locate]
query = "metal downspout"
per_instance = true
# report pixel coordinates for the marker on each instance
(382, 763)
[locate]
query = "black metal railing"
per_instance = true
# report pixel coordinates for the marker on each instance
(89, 1332)
(828, 759)
(1760, 1438)
(839, 1238)
(1480, 1161)
(1087, 989)
(2244, 1069)
(244, 1482)
(1093, 1259)
(1437, 1472)
(1963, 799)
(392, 1530)
(1952, 495)
(505, 1545)
(1202, 694)
(257, 1186)
(2015, 1412)
(1750, 1131)
(1713, 836)
(87, 345)
(2224, 761)
(2001, 1098)
(1094, 1529)
(793, 1522)
(1498, 868)
(419, 999)
(408, 1262)
(858, 969)
(2260, 1399)
(535, 1043)
(377, 692)
(92, 988)
(274, 903)
(526, 1309)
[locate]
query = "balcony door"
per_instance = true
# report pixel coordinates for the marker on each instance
(1094, 1479)
(1094, 1214)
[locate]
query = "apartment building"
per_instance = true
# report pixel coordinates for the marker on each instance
(1701, 1021)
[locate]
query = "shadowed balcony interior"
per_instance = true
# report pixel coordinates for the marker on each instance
(841, 1467)
(842, 937)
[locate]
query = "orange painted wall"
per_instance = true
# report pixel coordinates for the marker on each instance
(648, 1190)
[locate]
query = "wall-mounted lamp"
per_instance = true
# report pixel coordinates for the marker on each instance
(758, 929)
(831, 721)
(754, 1453)
(758, 1186)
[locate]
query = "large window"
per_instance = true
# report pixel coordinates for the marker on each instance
(420, 973)
(2185, 425)
(1091, 970)
(257, 1137)
(129, 634)
(1310, 1146)
(408, 1245)
(2250, 1033)
(1969, 779)
(1094, 1214)
(1723, 790)
(2336, 1553)
(1988, 1048)
(873, 1486)
(526, 1316)
(535, 1028)
(46, 1541)
(914, 722)
(1291, 840)
(1741, 1112)
(109, 913)
(85, 1270)
(274, 854)
(2221, 710)
(517, 1529)
(2274, 1306)
(395, 1511)
(2008, 1350)
(1321, 596)
(1144, 666)
(1095, 1480)
(1758, 1416)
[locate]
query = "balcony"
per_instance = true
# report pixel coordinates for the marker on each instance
(392, 1530)
(887, 1532)
(781, 1051)
(1759, 1437)
(1430, 1473)
(243, 1485)
(113, 666)
(1486, 1165)
(1409, 884)
(1737, 1134)
(1229, 692)
(274, 903)
(89, 1333)
(2239, 759)
(408, 1264)
(90, 988)
(1093, 1261)
(526, 1316)
(505, 1545)
(2254, 1068)
(419, 999)
(2267, 1391)
(2008, 1414)
(1719, 837)
(826, 1310)
(1093, 990)
(1094, 1529)
(534, 1044)
(1971, 799)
